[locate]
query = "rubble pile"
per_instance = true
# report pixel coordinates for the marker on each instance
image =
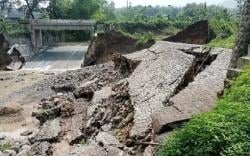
(128, 106)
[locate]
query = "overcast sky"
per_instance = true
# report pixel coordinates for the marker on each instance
(122, 3)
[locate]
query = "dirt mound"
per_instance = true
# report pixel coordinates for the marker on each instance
(197, 33)
(105, 44)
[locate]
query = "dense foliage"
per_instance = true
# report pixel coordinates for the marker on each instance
(159, 22)
(224, 131)
(11, 29)
(166, 21)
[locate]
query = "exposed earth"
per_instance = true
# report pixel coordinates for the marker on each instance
(124, 107)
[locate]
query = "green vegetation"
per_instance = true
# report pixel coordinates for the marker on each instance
(11, 29)
(224, 131)
(226, 29)
(4, 147)
(142, 22)
(162, 22)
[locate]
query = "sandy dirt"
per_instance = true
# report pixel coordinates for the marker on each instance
(11, 81)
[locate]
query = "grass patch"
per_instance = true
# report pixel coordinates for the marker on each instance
(223, 132)
(228, 42)
(4, 147)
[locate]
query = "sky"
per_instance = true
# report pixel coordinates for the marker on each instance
(123, 3)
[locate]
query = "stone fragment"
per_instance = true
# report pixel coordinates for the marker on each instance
(64, 87)
(84, 92)
(123, 64)
(107, 139)
(49, 131)
(163, 121)
(10, 152)
(26, 133)
(26, 147)
(15, 148)
(113, 151)
(45, 115)
(42, 149)
(149, 151)
(67, 108)
(2, 136)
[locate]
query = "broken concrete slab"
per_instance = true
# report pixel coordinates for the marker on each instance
(74, 125)
(201, 95)
(49, 131)
(107, 139)
(161, 70)
(162, 121)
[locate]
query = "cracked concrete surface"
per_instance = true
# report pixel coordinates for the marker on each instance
(154, 80)
(162, 69)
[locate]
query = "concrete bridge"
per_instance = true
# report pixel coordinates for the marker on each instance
(36, 27)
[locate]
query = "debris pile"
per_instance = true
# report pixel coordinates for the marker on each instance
(125, 107)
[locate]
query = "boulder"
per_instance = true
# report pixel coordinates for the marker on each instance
(84, 92)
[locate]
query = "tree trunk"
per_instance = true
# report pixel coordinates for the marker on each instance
(243, 38)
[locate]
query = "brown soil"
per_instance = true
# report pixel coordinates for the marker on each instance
(105, 44)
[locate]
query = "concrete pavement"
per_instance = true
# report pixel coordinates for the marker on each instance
(58, 58)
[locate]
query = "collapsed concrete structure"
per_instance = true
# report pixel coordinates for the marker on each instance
(15, 51)
(121, 107)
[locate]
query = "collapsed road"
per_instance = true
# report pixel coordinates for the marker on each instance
(122, 107)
